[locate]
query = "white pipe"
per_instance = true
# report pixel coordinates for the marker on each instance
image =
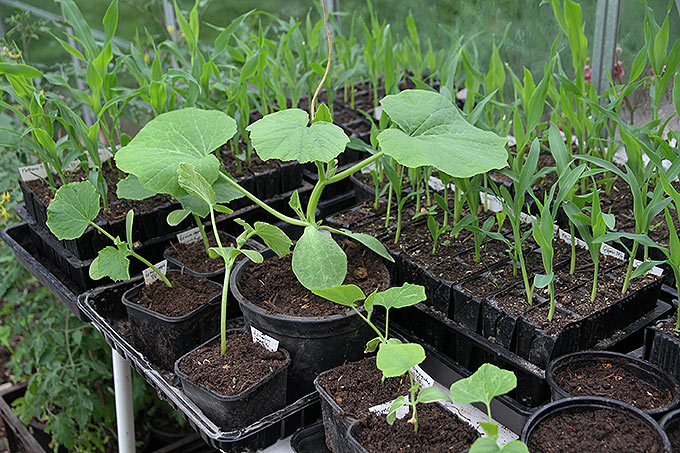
(122, 384)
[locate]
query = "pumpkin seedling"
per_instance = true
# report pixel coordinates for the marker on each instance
(485, 384)
(73, 210)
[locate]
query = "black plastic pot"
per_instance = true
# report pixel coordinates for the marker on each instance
(164, 339)
(644, 371)
(671, 424)
(496, 322)
(663, 350)
(309, 440)
(363, 192)
(315, 344)
(590, 403)
(109, 316)
(236, 411)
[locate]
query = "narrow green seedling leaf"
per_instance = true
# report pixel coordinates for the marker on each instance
(177, 216)
(543, 280)
(372, 345)
(398, 403)
(74, 208)
(367, 240)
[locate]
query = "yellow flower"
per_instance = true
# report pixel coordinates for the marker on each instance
(146, 58)
(42, 91)
(181, 36)
(5, 196)
(4, 213)
(170, 28)
(19, 107)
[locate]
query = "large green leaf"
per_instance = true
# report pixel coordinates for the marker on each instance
(110, 262)
(318, 261)
(188, 135)
(74, 207)
(430, 131)
(396, 359)
(131, 189)
(195, 184)
(344, 294)
(487, 382)
(285, 135)
(401, 296)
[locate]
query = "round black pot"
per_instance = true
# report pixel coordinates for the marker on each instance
(586, 403)
(163, 339)
(671, 424)
(645, 371)
(237, 411)
(315, 344)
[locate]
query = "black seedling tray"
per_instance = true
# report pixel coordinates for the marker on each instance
(310, 440)
(18, 238)
(104, 308)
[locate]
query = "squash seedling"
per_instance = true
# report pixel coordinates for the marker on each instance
(482, 386)
(273, 237)
(73, 210)
(394, 358)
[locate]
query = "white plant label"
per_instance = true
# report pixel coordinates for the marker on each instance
(151, 276)
(526, 218)
(436, 183)
(656, 271)
(567, 238)
(384, 409)
(189, 236)
(32, 172)
(267, 342)
(492, 202)
(368, 168)
(378, 112)
(512, 141)
(422, 377)
(611, 251)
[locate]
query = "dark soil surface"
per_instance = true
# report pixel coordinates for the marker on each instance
(272, 285)
(514, 301)
(257, 165)
(244, 364)
(193, 256)
(357, 386)
(612, 380)
(117, 207)
(187, 294)
(595, 431)
(539, 317)
(669, 328)
(438, 431)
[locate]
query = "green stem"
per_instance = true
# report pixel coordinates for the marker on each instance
(551, 311)
(155, 269)
(389, 206)
(629, 270)
(354, 168)
(522, 265)
(412, 403)
(263, 205)
(380, 335)
(204, 236)
(677, 315)
(593, 292)
(572, 265)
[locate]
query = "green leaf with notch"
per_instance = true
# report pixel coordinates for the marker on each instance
(318, 261)
(486, 383)
(400, 296)
(285, 135)
(431, 132)
(188, 135)
(74, 207)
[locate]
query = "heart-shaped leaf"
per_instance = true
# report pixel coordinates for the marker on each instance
(318, 261)
(188, 135)
(284, 135)
(400, 296)
(486, 383)
(74, 207)
(430, 131)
